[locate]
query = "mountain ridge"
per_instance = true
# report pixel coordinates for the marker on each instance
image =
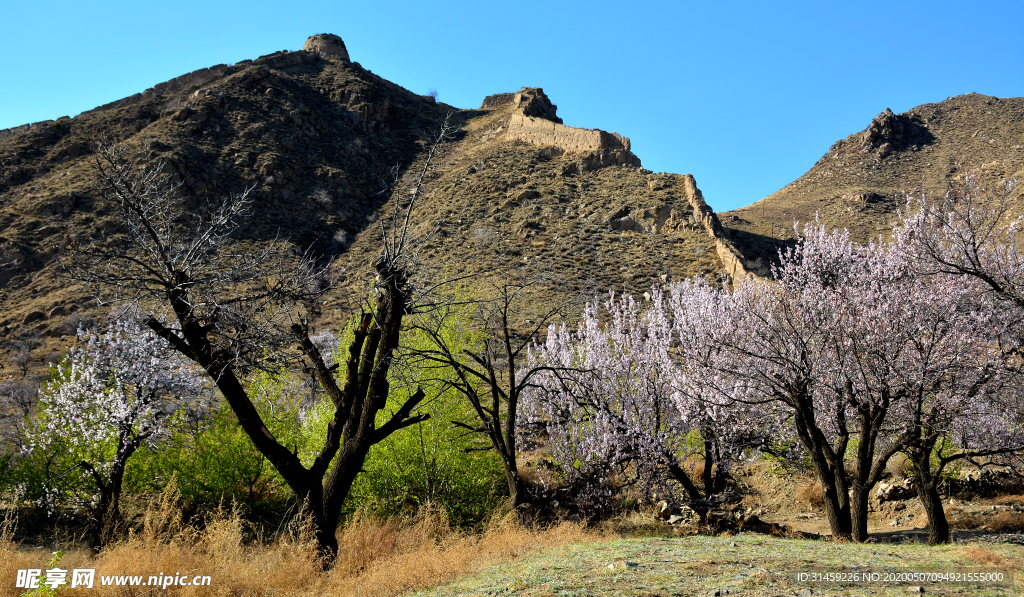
(863, 179)
(316, 136)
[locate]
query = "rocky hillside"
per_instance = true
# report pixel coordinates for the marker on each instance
(318, 135)
(861, 182)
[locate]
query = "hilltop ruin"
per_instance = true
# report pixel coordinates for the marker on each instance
(534, 121)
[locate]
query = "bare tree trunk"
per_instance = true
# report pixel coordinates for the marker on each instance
(106, 515)
(859, 498)
(938, 526)
(837, 511)
(681, 476)
(709, 463)
(928, 492)
(516, 489)
(835, 500)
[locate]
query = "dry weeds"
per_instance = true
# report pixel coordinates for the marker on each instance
(978, 554)
(1006, 500)
(1006, 522)
(813, 495)
(379, 557)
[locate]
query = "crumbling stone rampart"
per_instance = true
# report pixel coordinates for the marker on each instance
(673, 217)
(497, 100)
(728, 255)
(195, 78)
(538, 131)
(534, 120)
(326, 45)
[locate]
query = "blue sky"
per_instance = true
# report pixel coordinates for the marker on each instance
(745, 96)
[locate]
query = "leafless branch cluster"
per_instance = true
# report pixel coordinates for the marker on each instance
(401, 247)
(229, 308)
(493, 370)
(169, 256)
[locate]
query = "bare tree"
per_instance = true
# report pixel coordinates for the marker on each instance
(231, 309)
(494, 373)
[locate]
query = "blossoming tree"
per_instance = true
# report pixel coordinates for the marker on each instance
(627, 411)
(105, 401)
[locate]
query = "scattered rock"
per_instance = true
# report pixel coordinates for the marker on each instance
(900, 490)
(621, 565)
(33, 316)
(528, 194)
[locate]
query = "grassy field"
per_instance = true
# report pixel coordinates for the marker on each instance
(385, 557)
(751, 565)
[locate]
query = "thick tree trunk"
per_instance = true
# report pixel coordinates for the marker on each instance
(836, 512)
(859, 497)
(938, 526)
(835, 500)
(928, 493)
(833, 482)
(709, 463)
(324, 532)
(339, 483)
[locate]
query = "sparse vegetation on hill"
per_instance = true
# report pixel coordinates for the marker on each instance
(862, 180)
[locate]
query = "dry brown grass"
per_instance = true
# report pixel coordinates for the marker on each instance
(695, 468)
(1006, 500)
(379, 557)
(981, 555)
(901, 467)
(813, 495)
(1006, 522)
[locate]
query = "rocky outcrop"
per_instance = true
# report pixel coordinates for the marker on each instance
(326, 45)
(665, 218)
(884, 134)
(536, 104)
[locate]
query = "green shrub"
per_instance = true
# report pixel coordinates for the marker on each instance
(215, 461)
(434, 461)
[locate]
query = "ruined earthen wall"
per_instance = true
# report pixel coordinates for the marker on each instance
(537, 131)
(731, 258)
(498, 99)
